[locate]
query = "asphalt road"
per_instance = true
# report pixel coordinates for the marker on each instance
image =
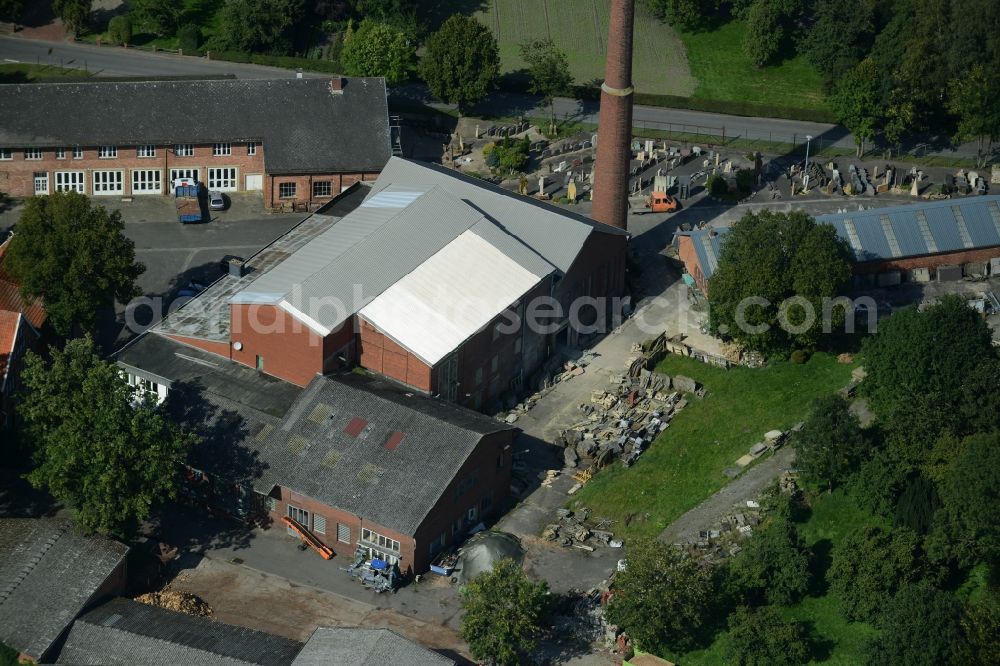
(114, 61)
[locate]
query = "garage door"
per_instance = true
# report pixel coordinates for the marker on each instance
(183, 173)
(222, 179)
(255, 181)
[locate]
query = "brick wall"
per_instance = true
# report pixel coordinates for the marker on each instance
(687, 254)
(928, 261)
(306, 187)
(16, 175)
(288, 348)
(381, 354)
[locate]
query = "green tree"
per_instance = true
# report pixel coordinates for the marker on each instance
(830, 445)
(377, 49)
(841, 35)
(917, 504)
(878, 483)
(400, 14)
(548, 67)
(254, 26)
(75, 255)
(970, 495)
(686, 15)
(120, 30)
(773, 565)
(857, 102)
(870, 566)
(921, 626)
(972, 99)
(662, 599)
(74, 13)
(930, 372)
(503, 614)
(765, 31)
(762, 637)
(160, 17)
(11, 10)
(981, 626)
(109, 460)
(189, 37)
(768, 258)
(462, 61)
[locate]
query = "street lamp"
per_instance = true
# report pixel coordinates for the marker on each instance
(805, 171)
(808, 139)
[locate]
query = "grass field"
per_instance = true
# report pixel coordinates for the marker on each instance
(684, 465)
(580, 28)
(838, 642)
(26, 73)
(723, 72)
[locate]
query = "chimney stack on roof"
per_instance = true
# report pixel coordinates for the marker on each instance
(611, 172)
(336, 85)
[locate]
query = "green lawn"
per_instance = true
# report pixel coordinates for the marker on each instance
(684, 465)
(26, 73)
(838, 642)
(723, 72)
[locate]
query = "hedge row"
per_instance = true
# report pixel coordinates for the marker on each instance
(736, 108)
(287, 62)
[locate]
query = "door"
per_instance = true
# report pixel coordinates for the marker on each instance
(255, 181)
(41, 182)
(176, 174)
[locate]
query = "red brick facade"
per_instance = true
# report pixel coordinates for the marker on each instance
(928, 261)
(381, 354)
(127, 174)
(445, 525)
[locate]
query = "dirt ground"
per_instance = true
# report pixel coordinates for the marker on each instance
(243, 596)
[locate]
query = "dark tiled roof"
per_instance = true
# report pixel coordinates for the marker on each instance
(313, 451)
(127, 632)
(365, 647)
(305, 128)
(48, 573)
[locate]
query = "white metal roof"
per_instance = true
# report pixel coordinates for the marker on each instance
(449, 297)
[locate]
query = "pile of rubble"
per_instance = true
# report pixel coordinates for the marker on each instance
(181, 602)
(572, 531)
(552, 373)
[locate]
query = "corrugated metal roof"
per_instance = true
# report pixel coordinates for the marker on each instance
(895, 232)
(449, 297)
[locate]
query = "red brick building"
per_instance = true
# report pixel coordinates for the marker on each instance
(299, 141)
(355, 460)
(427, 277)
(890, 245)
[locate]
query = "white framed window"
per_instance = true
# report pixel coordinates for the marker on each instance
(6, 154)
(77, 153)
(286, 190)
(322, 188)
(183, 173)
(184, 150)
(60, 153)
(70, 181)
(108, 182)
(32, 153)
(146, 181)
(379, 540)
(222, 149)
(107, 152)
(147, 150)
(343, 533)
(252, 148)
(41, 179)
(222, 179)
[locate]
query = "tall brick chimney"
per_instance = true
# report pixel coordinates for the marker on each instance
(614, 132)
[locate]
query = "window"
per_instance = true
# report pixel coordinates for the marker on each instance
(500, 460)
(60, 153)
(41, 182)
(145, 151)
(67, 181)
(471, 514)
(260, 363)
(286, 190)
(108, 182)
(6, 154)
(107, 152)
(222, 179)
(437, 544)
(479, 376)
(319, 524)
(495, 364)
(77, 153)
(517, 345)
(379, 540)
(322, 188)
(301, 516)
(222, 149)
(184, 150)
(146, 181)
(251, 148)
(32, 153)
(183, 173)
(343, 533)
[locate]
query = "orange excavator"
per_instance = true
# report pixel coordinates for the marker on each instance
(325, 552)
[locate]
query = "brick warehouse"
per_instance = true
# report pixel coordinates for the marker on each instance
(890, 245)
(356, 460)
(412, 278)
(299, 141)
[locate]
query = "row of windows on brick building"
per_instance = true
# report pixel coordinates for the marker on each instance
(111, 152)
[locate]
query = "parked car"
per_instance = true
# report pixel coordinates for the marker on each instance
(216, 201)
